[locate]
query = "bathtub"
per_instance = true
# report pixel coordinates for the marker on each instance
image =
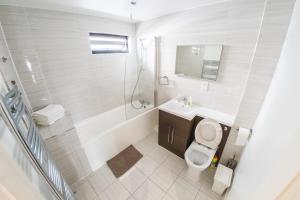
(108, 133)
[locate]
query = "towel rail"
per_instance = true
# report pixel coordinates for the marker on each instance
(29, 134)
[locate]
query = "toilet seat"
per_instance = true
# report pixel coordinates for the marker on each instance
(208, 132)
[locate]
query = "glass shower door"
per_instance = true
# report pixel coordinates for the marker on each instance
(141, 80)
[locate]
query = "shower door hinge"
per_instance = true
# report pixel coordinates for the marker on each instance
(4, 59)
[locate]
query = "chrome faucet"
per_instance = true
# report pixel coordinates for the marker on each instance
(183, 100)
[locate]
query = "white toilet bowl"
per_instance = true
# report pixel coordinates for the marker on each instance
(198, 156)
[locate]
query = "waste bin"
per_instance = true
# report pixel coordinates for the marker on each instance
(222, 179)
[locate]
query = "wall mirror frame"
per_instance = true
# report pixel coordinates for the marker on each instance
(198, 61)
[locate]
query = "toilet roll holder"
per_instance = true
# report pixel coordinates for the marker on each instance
(251, 131)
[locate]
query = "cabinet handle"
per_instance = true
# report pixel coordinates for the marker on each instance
(169, 135)
(173, 131)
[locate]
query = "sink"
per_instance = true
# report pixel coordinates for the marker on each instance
(178, 108)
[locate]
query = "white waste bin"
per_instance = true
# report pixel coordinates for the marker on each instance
(222, 179)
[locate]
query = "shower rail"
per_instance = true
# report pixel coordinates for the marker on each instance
(27, 132)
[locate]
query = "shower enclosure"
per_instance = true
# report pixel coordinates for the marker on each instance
(140, 91)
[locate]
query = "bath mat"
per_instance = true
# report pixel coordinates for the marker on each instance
(124, 161)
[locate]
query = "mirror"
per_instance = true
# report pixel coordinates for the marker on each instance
(198, 61)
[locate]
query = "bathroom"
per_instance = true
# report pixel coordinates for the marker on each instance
(199, 96)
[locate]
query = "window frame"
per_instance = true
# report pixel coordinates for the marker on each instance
(109, 35)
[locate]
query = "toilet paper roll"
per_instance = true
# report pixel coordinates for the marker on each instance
(242, 137)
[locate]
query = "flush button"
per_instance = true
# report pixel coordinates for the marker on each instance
(225, 128)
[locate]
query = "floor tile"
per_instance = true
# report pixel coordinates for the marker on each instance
(206, 188)
(153, 137)
(101, 179)
(168, 197)
(174, 163)
(203, 196)
(184, 174)
(208, 174)
(147, 165)
(159, 154)
(132, 179)
(116, 191)
(163, 177)
(183, 190)
(98, 198)
(84, 191)
(103, 196)
(146, 145)
(167, 179)
(131, 198)
(148, 191)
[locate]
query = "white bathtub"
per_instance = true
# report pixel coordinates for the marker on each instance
(108, 133)
(131, 112)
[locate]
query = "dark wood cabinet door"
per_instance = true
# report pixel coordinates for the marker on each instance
(180, 136)
(174, 132)
(164, 134)
(177, 143)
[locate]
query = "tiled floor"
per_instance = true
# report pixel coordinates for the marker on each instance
(158, 175)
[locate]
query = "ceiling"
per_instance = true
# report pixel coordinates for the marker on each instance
(120, 9)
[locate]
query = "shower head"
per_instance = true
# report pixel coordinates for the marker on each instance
(133, 3)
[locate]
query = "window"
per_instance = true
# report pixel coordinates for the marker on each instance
(107, 43)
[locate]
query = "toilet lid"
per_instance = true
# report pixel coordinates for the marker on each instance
(209, 133)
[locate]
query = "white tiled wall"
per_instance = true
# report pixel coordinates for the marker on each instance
(234, 24)
(53, 58)
(64, 145)
(272, 34)
(8, 70)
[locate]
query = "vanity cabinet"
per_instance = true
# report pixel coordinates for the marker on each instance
(174, 132)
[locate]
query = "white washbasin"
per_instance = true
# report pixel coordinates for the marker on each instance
(178, 108)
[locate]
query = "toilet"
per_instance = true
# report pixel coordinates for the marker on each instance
(198, 156)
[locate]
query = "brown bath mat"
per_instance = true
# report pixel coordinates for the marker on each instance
(124, 161)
